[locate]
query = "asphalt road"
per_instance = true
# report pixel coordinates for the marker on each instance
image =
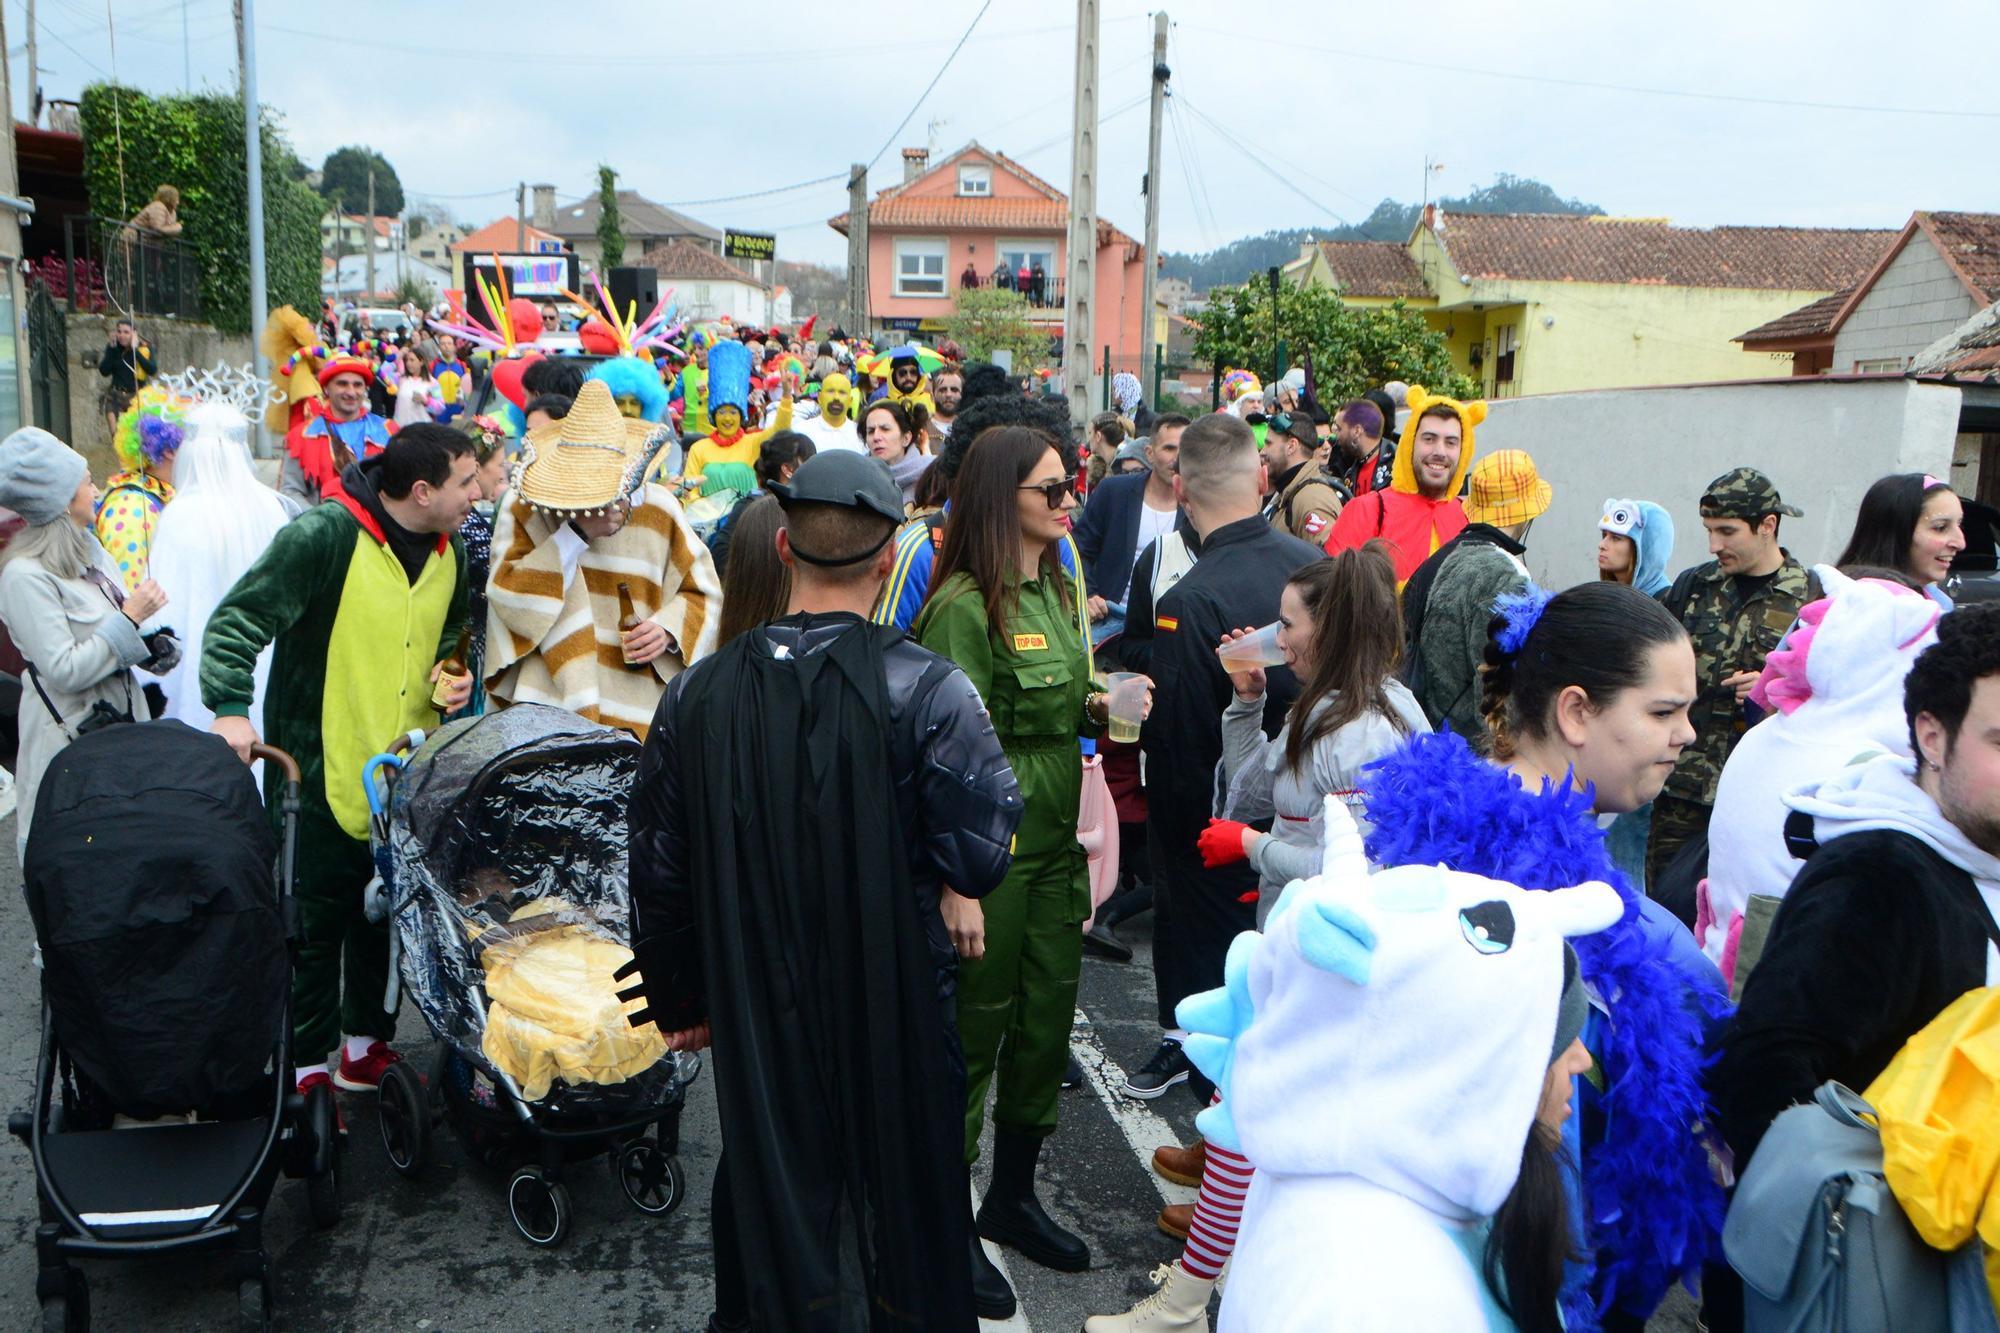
(441, 1253)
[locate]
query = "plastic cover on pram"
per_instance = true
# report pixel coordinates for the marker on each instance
(506, 865)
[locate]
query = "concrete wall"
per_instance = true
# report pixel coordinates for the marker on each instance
(177, 346)
(1822, 441)
(1916, 301)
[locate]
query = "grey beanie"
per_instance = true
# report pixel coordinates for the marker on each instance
(1573, 1009)
(39, 475)
(1132, 448)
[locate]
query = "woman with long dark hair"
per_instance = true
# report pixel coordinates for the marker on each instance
(1003, 610)
(894, 433)
(756, 585)
(1586, 698)
(1911, 523)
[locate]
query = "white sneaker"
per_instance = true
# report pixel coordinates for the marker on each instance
(1179, 1305)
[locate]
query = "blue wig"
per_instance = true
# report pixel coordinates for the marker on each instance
(1652, 1208)
(633, 377)
(729, 377)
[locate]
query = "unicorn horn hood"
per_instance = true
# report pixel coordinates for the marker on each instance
(1392, 1027)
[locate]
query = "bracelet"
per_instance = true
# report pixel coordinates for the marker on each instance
(1091, 702)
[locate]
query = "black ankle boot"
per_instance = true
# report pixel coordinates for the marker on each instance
(1013, 1216)
(992, 1298)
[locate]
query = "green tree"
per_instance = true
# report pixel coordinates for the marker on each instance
(610, 236)
(1353, 348)
(133, 142)
(343, 178)
(988, 319)
(415, 291)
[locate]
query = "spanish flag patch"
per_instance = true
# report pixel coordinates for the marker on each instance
(1163, 624)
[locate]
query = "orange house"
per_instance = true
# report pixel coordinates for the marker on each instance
(977, 219)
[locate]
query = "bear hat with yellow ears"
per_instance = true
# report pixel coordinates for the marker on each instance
(1403, 475)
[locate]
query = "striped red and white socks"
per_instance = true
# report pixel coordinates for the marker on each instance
(1218, 1212)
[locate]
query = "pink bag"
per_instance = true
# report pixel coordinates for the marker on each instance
(1097, 830)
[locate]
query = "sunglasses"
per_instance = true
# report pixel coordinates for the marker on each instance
(1054, 491)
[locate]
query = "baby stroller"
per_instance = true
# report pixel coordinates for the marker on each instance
(496, 839)
(164, 1102)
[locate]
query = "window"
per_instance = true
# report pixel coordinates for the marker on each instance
(1887, 365)
(975, 178)
(1506, 341)
(920, 266)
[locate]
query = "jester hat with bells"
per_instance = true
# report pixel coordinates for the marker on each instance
(589, 460)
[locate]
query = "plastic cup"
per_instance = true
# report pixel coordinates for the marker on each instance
(1252, 651)
(1128, 699)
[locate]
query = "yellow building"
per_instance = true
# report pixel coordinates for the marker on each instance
(1544, 303)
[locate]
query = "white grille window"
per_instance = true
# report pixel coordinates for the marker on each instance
(975, 179)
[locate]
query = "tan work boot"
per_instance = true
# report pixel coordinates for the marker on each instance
(1176, 1219)
(1180, 1304)
(1181, 1165)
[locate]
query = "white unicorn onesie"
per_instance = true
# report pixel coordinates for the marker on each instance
(1381, 1047)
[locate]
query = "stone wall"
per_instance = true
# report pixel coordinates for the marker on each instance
(177, 346)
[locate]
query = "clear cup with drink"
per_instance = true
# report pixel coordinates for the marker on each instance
(1253, 652)
(1127, 705)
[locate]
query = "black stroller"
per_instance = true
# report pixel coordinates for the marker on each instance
(165, 1104)
(493, 836)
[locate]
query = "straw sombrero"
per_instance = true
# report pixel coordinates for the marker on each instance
(590, 459)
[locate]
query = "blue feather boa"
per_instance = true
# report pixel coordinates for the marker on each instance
(1654, 1209)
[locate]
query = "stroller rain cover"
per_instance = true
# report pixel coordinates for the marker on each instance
(507, 837)
(151, 881)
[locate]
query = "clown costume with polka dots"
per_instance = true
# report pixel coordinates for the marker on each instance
(147, 438)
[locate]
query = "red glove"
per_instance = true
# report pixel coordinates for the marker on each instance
(1221, 843)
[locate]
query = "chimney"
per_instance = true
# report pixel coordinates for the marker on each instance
(544, 214)
(914, 161)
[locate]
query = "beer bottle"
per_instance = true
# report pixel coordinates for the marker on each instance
(628, 620)
(453, 669)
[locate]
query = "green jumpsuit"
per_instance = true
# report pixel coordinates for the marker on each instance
(1016, 1003)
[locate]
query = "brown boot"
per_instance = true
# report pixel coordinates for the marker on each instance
(1175, 1219)
(1181, 1165)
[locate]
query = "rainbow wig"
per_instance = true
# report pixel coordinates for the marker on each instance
(150, 429)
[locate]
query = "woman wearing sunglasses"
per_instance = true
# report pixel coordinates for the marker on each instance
(1002, 609)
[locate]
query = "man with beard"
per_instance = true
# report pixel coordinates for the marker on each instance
(333, 433)
(1420, 511)
(833, 428)
(1893, 916)
(906, 382)
(947, 391)
(810, 945)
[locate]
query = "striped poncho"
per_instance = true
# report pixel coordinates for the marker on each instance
(551, 644)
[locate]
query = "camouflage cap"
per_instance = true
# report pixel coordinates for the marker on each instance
(1744, 492)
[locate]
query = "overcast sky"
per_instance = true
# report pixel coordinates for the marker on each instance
(467, 99)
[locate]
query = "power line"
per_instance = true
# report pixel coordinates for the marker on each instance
(1197, 192)
(932, 84)
(1257, 161)
(1639, 89)
(758, 194)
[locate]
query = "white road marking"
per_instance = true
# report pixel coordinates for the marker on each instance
(1142, 1129)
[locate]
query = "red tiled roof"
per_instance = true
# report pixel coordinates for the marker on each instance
(1812, 320)
(685, 259)
(1373, 268)
(497, 237)
(895, 207)
(1546, 247)
(1970, 243)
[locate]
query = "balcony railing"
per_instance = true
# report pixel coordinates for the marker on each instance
(113, 264)
(1048, 294)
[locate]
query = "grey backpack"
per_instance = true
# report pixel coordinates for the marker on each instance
(1823, 1246)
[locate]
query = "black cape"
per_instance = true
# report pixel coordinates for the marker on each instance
(842, 1114)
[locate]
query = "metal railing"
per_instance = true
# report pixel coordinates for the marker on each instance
(1047, 295)
(108, 264)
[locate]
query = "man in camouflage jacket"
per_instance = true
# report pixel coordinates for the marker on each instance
(1736, 609)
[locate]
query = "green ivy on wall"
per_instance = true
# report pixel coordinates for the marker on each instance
(133, 143)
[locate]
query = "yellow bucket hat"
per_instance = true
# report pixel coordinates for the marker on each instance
(1506, 490)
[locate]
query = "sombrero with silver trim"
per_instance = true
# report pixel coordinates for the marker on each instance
(589, 460)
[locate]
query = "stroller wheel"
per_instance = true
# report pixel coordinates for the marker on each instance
(404, 1114)
(539, 1206)
(253, 1305)
(69, 1312)
(323, 1196)
(651, 1177)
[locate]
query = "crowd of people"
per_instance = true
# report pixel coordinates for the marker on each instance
(896, 638)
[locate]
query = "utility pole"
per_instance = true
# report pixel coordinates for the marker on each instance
(253, 153)
(857, 248)
(521, 218)
(1277, 345)
(368, 233)
(34, 70)
(1080, 284)
(1149, 287)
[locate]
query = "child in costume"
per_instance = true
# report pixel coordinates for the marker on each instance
(148, 437)
(1562, 674)
(727, 458)
(1382, 1048)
